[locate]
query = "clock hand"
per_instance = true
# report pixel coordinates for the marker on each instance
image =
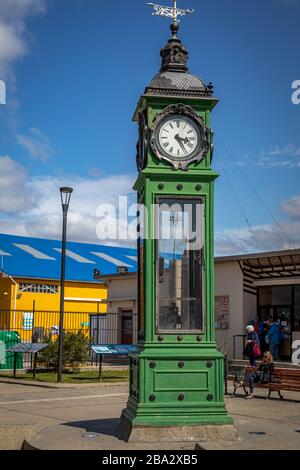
(184, 140)
(179, 140)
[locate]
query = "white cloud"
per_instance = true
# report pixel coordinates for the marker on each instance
(37, 144)
(14, 195)
(31, 207)
(14, 36)
(292, 207)
(270, 237)
(287, 156)
(41, 214)
(11, 48)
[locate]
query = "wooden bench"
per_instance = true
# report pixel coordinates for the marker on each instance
(284, 379)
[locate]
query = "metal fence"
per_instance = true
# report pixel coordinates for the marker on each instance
(103, 328)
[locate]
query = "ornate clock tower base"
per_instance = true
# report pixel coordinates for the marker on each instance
(176, 398)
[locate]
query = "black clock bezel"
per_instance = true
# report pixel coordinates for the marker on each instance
(184, 111)
(142, 145)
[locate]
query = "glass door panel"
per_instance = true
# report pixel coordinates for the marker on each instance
(180, 264)
(284, 315)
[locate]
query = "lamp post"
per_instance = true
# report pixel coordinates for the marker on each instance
(65, 194)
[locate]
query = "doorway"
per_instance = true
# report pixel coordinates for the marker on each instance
(284, 314)
(126, 328)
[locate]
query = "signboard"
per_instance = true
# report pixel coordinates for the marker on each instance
(31, 348)
(101, 350)
(113, 348)
(222, 312)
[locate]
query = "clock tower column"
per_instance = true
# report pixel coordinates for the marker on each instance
(176, 375)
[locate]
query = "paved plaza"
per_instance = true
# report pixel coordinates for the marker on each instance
(86, 417)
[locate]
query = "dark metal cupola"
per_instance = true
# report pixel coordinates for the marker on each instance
(174, 55)
(174, 77)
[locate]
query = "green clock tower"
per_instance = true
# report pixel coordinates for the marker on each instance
(176, 375)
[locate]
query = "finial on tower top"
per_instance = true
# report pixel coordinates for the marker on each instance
(170, 12)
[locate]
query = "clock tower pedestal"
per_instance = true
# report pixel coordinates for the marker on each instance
(176, 375)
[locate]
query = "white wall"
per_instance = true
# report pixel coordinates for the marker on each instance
(122, 293)
(122, 296)
(229, 281)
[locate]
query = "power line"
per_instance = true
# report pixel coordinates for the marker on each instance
(239, 202)
(285, 235)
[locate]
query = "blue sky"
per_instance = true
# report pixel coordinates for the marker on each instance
(75, 70)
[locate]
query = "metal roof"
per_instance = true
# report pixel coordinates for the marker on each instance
(279, 265)
(270, 265)
(39, 258)
(267, 254)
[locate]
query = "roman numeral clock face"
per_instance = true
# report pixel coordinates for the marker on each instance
(178, 137)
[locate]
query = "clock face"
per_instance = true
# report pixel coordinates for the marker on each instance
(178, 137)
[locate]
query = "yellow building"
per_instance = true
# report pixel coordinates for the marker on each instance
(33, 304)
(30, 284)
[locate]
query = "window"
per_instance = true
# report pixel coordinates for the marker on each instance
(275, 295)
(38, 288)
(126, 327)
(179, 265)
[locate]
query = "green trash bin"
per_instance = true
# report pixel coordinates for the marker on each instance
(9, 338)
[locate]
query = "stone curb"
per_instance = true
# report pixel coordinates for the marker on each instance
(12, 436)
(60, 386)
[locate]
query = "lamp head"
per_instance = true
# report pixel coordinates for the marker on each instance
(65, 194)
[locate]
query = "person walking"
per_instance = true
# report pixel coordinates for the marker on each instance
(264, 346)
(274, 338)
(258, 327)
(264, 374)
(252, 349)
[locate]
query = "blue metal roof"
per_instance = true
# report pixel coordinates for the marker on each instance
(41, 258)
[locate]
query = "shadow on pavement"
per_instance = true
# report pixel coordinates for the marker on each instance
(99, 426)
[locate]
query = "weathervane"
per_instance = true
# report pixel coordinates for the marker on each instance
(170, 12)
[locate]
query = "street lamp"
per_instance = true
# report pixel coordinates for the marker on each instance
(65, 194)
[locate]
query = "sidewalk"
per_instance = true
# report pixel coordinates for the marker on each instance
(86, 417)
(53, 385)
